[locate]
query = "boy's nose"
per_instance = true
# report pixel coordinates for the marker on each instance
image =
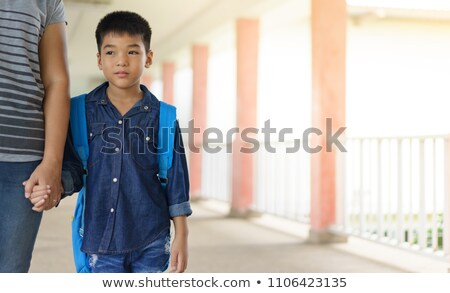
(122, 60)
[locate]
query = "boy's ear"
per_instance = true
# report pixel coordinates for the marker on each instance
(149, 59)
(99, 61)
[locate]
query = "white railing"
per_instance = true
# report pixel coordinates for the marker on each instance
(392, 190)
(216, 173)
(395, 190)
(282, 181)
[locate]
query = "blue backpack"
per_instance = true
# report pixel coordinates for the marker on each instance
(78, 127)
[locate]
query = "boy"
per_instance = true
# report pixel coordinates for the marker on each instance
(127, 214)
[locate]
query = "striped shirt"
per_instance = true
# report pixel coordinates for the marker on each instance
(22, 24)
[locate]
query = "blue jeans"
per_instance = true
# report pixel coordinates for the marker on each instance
(19, 224)
(154, 258)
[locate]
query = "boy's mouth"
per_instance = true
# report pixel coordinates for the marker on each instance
(121, 73)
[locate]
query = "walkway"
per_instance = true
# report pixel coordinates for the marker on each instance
(217, 244)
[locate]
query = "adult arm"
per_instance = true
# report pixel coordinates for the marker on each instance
(55, 77)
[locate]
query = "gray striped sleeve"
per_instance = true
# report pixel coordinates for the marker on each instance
(22, 24)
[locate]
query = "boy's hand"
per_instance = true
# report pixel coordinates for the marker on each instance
(179, 255)
(39, 196)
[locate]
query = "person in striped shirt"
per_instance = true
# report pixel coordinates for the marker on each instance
(34, 114)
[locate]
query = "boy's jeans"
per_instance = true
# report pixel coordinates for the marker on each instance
(19, 224)
(154, 258)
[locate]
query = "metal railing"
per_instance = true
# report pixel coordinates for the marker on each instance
(282, 179)
(282, 182)
(216, 173)
(391, 190)
(395, 190)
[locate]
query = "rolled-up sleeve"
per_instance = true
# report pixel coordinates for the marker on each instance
(178, 185)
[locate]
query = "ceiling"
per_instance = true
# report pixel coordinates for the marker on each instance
(165, 17)
(175, 23)
(178, 24)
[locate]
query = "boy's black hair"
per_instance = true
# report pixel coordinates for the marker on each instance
(123, 22)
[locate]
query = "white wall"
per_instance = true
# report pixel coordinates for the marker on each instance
(284, 90)
(397, 71)
(398, 74)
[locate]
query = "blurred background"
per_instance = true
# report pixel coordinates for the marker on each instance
(378, 68)
(397, 58)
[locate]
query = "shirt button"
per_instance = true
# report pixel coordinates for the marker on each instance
(145, 108)
(117, 150)
(147, 138)
(120, 122)
(114, 179)
(112, 210)
(90, 134)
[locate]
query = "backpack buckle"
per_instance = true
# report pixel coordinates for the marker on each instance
(163, 180)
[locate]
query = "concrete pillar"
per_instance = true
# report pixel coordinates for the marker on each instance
(247, 45)
(328, 31)
(199, 100)
(168, 82)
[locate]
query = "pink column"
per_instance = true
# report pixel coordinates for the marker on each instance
(199, 106)
(168, 83)
(147, 80)
(247, 43)
(328, 31)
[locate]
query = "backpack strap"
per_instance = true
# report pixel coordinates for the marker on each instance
(78, 127)
(166, 140)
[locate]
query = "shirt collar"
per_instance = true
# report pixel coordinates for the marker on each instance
(99, 96)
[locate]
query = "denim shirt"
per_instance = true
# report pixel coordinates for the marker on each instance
(126, 206)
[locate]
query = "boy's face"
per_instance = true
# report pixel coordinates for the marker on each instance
(122, 59)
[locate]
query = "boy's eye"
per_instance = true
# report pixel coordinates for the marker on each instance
(133, 52)
(108, 52)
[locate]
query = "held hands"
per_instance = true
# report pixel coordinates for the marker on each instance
(39, 197)
(44, 187)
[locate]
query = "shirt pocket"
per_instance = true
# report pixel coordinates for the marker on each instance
(96, 142)
(144, 151)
